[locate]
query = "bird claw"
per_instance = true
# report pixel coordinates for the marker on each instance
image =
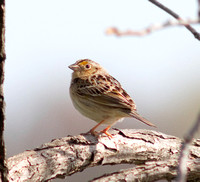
(105, 131)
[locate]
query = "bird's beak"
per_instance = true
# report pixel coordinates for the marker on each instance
(74, 67)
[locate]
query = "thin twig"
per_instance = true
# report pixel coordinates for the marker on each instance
(169, 11)
(150, 29)
(185, 150)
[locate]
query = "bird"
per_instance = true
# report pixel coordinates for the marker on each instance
(100, 97)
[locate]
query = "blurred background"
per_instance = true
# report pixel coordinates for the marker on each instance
(160, 71)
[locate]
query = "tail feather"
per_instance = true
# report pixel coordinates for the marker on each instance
(140, 118)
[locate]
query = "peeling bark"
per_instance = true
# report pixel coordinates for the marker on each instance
(152, 171)
(3, 169)
(151, 152)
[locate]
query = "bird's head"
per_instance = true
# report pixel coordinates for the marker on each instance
(85, 67)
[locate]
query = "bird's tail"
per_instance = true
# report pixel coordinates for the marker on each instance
(140, 118)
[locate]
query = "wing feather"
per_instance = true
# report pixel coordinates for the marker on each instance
(104, 90)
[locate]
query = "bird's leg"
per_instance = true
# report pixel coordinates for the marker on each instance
(106, 132)
(92, 131)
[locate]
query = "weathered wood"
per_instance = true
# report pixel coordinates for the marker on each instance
(153, 171)
(65, 156)
(3, 169)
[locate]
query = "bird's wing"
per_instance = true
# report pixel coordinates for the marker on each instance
(104, 90)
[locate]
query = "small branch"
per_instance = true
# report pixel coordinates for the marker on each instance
(179, 22)
(185, 150)
(66, 156)
(150, 29)
(169, 11)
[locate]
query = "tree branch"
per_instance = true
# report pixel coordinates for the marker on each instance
(3, 169)
(151, 28)
(175, 15)
(155, 27)
(198, 1)
(152, 171)
(66, 156)
(185, 150)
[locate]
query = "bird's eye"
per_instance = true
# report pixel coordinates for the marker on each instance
(87, 66)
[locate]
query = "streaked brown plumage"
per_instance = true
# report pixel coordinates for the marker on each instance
(99, 96)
